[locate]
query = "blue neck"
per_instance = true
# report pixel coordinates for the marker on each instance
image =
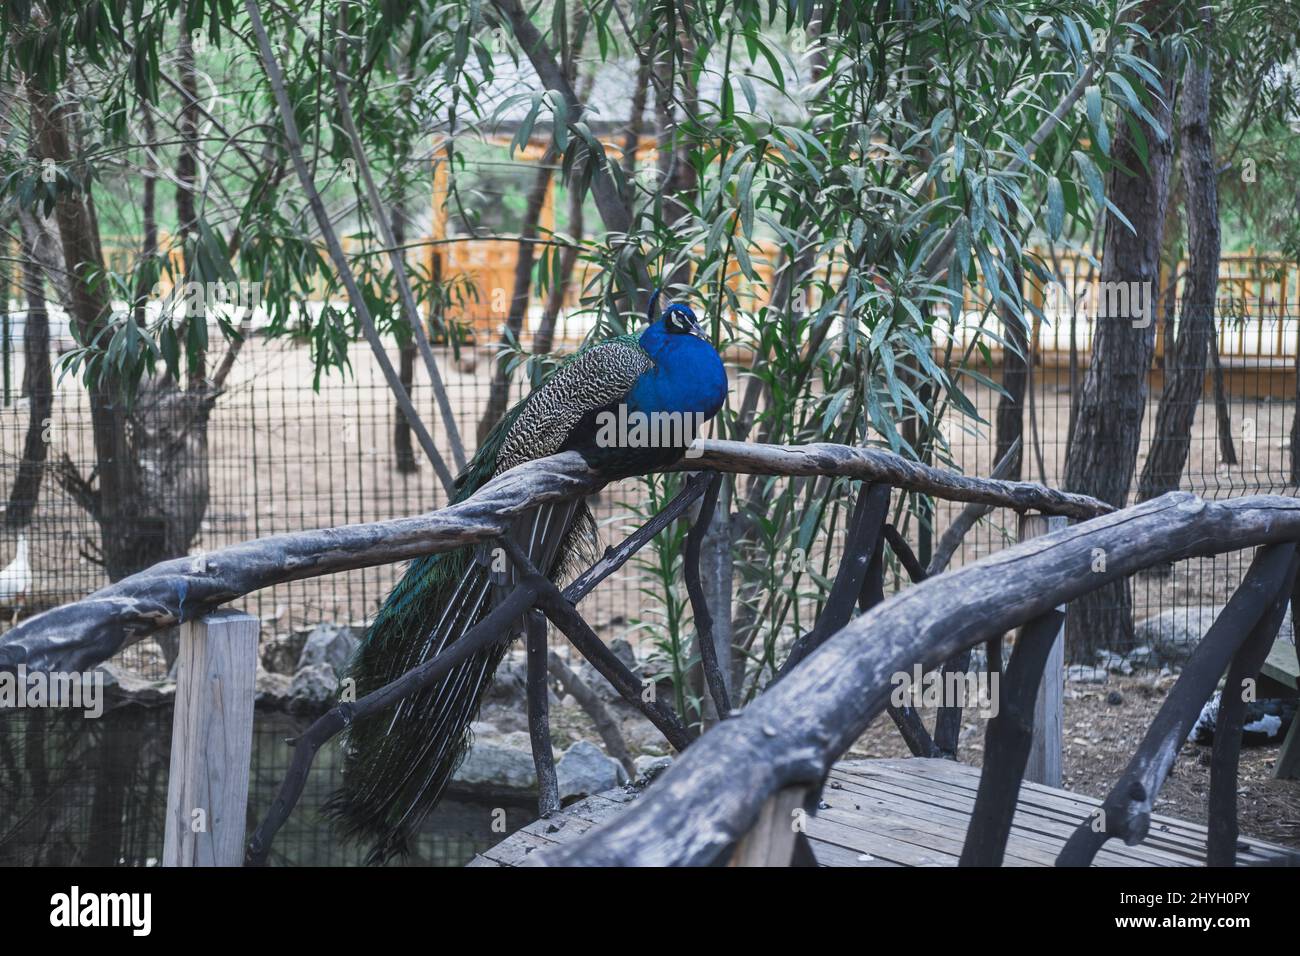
(688, 375)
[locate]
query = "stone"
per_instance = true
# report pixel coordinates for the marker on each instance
(1084, 674)
(509, 688)
(332, 644)
(496, 763)
(280, 652)
(122, 683)
(649, 766)
(1172, 635)
(585, 769)
(1142, 656)
(1114, 663)
(1114, 698)
(597, 682)
(271, 689)
(312, 689)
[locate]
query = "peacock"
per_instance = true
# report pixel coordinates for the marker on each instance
(397, 764)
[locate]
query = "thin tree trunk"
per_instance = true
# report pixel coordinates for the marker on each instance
(40, 390)
(403, 450)
(148, 212)
(499, 391)
(1185, 373)
(1015, 379)
(293, 145)
(544, 340)
(88, 304)
(636, 119)
(1103, 454)
(1227, 453)
(187, 175)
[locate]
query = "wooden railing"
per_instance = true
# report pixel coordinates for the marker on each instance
(83, 633)
(783, 744)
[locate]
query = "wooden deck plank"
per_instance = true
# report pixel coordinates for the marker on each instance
(1059, 821)
(1167, 833)
(913, 813)
(1030, 822)
(1025, 846)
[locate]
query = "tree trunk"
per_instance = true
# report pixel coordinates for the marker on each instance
(677, 179)
(40, 391)
(403, 450)
(1103, 454)
(499, 392)
(636, 121)
(544, 340)
(1185, 373)
(148, 213)
(1015, 379)
(187, 174)
(151, 458)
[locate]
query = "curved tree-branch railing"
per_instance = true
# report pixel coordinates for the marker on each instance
(86, 632)
(80, 634)
(788, 738)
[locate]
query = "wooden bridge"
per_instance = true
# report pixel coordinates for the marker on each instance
(916, 813)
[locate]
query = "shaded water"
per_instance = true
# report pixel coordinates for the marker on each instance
(75, 791)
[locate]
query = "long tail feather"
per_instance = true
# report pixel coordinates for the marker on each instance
(397, 764)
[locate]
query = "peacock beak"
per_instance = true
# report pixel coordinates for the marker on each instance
(698, 330)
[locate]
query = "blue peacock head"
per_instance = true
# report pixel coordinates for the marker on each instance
(678, 319)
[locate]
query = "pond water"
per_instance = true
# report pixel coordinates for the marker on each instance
(85, 792)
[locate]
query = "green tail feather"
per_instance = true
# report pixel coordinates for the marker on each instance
(398, 763)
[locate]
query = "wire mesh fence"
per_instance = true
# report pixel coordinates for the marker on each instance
(283, 456)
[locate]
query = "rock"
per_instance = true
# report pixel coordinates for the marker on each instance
(509, 687)
(271, 689)
(1083, 674)
(1172, 635)
(623, 651)
(1142, 657)
(597, 682)
(312, 689)
(648, 766)
(584, 769)
(122, 683)
(280, 652)
(331, 644)
(1114, 698)
(497, 763)
(1114, 663)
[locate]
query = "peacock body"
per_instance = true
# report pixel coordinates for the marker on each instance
(397, 764)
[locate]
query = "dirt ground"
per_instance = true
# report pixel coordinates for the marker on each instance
(1100, 737)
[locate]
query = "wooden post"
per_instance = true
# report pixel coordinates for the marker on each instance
(212, 741)
(771, 841)
(1044, 764)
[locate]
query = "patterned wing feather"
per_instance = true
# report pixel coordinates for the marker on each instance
(592, 379)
